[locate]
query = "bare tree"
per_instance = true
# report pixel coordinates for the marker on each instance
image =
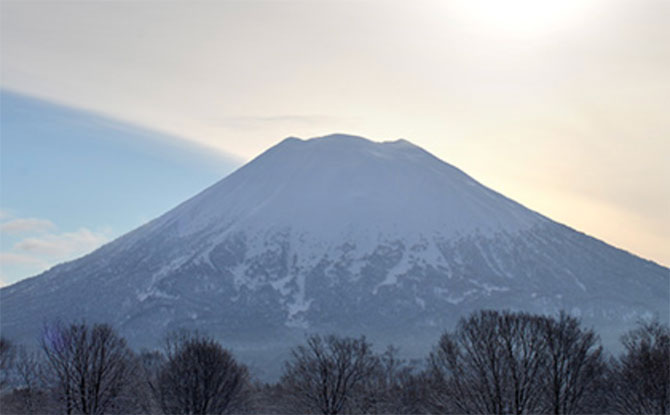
(383, 390)
(269, 399)
(403, 388)
(28, 368)
(641, 375)
(523, 357)
(89, 367)
(490, 364)
(325, 375)
(30, 395)
(150, 364)
(413, 393)
(200, 377)
(7, 356)
(574, 365)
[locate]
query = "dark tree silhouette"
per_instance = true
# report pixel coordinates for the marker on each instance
(490, 364)
(640, 379)
(88, 366)
(388, 389)
(200, 377)
(30, 398)
(7, 356)
(327, 375)
(574, 365)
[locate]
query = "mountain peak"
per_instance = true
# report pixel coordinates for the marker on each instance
(347, 148)
(341, 137)
(326, 186)
(349, 141)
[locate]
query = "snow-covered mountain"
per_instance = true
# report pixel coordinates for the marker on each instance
(339, 234)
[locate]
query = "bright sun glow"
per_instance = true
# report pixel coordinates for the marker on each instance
(522, 17)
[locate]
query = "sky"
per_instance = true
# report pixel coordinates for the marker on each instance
(561, 106)
(72, 180)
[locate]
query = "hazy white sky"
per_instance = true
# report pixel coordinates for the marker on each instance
(561, 106)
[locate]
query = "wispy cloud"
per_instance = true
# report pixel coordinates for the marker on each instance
(38, 245)
(27, 225)
(12, 258)
(62, 244)
(259, 122)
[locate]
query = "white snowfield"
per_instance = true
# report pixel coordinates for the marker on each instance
(344, 186)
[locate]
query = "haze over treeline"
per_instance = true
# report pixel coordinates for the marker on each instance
(491, 362)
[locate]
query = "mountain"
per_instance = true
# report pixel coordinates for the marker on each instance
(339, 234)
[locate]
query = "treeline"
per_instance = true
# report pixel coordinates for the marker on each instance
(492, 362)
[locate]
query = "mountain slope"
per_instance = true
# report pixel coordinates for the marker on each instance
(339, 234)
